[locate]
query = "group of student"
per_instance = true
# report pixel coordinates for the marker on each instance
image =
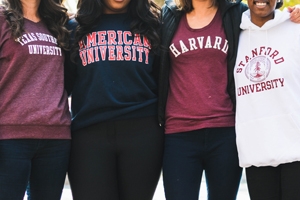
(195, 86)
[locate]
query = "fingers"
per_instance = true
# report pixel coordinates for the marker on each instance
(290, 9)
(295, 14)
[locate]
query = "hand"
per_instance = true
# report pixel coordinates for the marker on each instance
(295, 13)
(71, 15)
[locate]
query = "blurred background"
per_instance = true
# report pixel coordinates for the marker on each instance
(71, 4)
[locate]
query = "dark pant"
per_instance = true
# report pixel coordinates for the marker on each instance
(118, 160)
(274, 183)
(39, 165)
(188, 154)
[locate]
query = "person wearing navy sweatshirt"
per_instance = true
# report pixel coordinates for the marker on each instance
(117, 143)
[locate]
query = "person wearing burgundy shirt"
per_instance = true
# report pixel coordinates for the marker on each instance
(197, 98)
(34, 115)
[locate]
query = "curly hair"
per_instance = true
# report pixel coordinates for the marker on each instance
(51, 12)
(145, 14)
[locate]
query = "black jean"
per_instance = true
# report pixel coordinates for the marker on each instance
(118, 160)
(274, 183)
(40, 165)
(187, 155)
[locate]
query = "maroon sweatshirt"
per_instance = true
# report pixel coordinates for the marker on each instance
(33, 102)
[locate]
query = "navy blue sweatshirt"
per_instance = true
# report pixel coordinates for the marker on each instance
(113, 75)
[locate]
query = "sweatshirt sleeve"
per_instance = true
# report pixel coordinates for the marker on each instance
(70, 66)
(69, 74)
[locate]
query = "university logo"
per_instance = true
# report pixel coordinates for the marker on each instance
(114, 45)
(258, 69)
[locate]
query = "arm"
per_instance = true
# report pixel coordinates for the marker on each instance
(70, 66)
(70, 73)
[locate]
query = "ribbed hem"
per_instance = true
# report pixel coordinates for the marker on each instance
(34, 132)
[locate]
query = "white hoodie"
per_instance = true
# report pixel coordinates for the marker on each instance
(267, 78)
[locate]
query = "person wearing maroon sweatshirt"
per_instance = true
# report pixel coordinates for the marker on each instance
(34, 115)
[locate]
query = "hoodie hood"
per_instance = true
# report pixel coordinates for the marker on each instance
(280, 16)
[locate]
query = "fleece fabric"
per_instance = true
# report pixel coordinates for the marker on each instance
(113, 74)
(267, 82)
(33, 102)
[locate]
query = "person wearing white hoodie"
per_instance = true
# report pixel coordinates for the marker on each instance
(267, 82)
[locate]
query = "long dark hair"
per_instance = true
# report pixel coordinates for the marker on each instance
(51, 12)
(145, 13)
(279, 4)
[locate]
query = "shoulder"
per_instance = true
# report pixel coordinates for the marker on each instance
(170, 8)
(3, 21)
(230, 6)
(170, 13)
(2, 16)
(283, 20)
(232, 13)
(1, 8)
(72, 24)
(241, 5)
(169, 5)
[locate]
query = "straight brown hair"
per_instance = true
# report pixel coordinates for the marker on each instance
(187, 6)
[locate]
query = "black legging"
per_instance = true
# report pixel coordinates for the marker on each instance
(274, 183)
(118, 160)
